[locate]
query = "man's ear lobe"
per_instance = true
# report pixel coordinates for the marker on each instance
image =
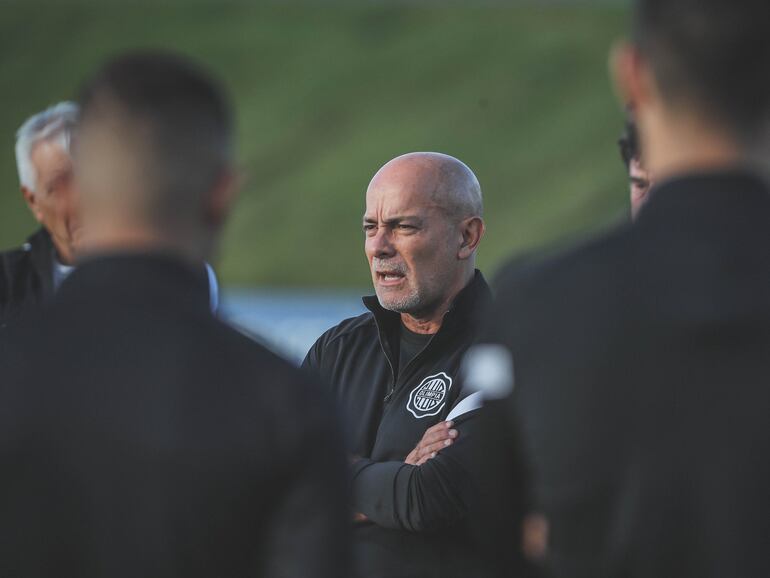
(472, 232)
(31, 199)
(628, 70)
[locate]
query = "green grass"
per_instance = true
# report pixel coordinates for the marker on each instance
(325, 95)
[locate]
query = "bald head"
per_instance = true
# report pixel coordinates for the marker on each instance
(444, 180)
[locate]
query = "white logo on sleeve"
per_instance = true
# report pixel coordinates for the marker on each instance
(430, 396)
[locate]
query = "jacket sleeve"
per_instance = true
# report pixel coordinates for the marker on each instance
(309, 534)
(399, 496)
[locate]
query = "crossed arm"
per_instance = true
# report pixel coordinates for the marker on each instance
(431, 488)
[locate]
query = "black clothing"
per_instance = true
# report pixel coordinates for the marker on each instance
(418, 515)
(642, 363)
(409, 345)
(139, 436)
(26, 277)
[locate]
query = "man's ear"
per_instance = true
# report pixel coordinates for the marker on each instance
(472, 230)
(221, 198)
(31, 199)
(631, 75)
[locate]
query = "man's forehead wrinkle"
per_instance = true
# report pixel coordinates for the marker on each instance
(400, 197)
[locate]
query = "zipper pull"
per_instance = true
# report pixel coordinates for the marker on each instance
(386, 399)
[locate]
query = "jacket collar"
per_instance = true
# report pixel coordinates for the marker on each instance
(736, 190)
(139, 278)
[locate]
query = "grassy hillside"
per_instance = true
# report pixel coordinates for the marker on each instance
(325, 95)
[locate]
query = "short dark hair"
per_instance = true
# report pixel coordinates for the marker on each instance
(628, 143)
(185, 112)
(711, 54)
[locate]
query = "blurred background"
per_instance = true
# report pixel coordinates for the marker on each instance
(326, 92)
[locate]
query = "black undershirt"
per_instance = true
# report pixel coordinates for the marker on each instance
(409, 345)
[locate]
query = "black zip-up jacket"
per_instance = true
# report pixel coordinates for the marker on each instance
(26, 276)
(417, 515)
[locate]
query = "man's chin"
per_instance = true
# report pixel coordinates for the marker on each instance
(392, 301)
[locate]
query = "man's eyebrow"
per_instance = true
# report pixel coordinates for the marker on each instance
(395, 220)
(411, 220)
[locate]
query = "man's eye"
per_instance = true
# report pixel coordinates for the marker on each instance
(369, 227)
(406, 227)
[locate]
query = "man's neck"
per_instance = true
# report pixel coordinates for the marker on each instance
(430, 321)
(104, 240)
(424, 324)
(677, 147)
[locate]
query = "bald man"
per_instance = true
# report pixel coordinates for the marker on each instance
(394, 370)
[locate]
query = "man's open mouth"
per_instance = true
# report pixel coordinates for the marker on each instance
(389, 277)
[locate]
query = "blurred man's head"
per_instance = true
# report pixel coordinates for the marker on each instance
(45, 173)
(154, 156)
(423, 224)
(696, 77)
(638, 177)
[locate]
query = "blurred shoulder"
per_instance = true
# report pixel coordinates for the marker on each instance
(35, 244)
(12, 260)
(243, 349)
(560, 297)
(262, 374)
(563, 271)
(15, 253)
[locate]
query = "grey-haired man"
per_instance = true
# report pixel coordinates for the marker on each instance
(30, 274)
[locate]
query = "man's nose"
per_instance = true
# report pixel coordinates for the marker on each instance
(381, 243)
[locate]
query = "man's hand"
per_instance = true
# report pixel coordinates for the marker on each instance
(435, 439)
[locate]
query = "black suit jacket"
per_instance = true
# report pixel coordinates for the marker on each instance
(642, 386)
(139, 436)
(26, 277)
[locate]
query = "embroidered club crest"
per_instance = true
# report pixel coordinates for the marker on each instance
(429, 397)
